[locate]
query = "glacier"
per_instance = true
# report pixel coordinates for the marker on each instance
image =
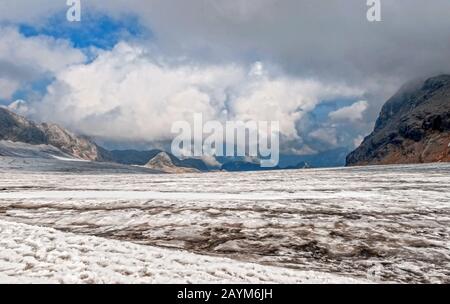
(361, 224)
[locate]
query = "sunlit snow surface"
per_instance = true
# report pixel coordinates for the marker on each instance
(375, 223)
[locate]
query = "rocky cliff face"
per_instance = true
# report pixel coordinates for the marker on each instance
(413, 127)
(78, 146)
(16, 128)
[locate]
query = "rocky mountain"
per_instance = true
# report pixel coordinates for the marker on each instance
(163, 162)
(15, 128)
(413, 127)
(140, 158)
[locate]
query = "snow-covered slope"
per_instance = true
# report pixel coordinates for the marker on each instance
(46, 162)
(23, 150)
(41, 255)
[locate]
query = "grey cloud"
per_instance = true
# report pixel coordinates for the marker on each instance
(329, 41)
(318, 38)
(326, 39)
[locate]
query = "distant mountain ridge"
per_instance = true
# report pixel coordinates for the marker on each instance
(141, 158)
(413, 127)
(16, 128)
(21, 137)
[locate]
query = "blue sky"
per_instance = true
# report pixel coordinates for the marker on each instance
(35, 88)
(95, 30)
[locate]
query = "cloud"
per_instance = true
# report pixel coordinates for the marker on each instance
(327, 136)
(24, 59)
(357, 141)
(307, 51)
(41, 52)
(324, 39)
(321, 39)
(129, 93)
(19, 107)
(21, 11)
(286, 100)
(351, 113)
(8, 87)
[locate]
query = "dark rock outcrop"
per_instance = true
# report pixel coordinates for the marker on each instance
(413, 127)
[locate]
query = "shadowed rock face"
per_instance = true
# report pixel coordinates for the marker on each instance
(413, 127)
(16, 128)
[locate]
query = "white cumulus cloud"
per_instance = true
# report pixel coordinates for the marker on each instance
(128, 93)
(8, 87)
(24, 59)
(351, 113)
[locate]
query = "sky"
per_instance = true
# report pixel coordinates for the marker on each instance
(129, 69)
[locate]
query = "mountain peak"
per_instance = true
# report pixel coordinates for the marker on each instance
(413, 127)
(162, 158)
(163, 162)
